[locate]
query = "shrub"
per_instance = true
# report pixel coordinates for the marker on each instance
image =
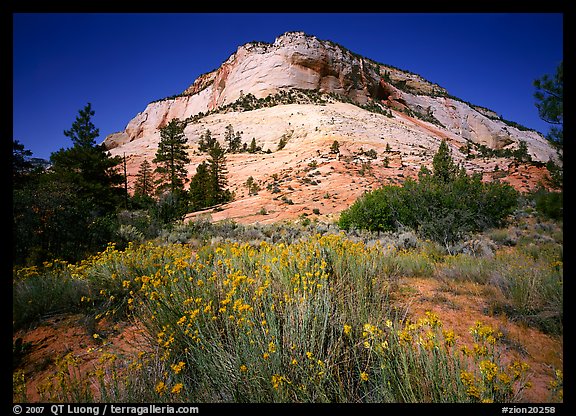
(443, 212)
(284, 140)
(532, 289)
(444, 206)
(549, 204)
(42, 291)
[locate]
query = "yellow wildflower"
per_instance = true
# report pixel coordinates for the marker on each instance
(466, 377)
(277, 380)
(347, 329)
(488, 369)
(465, 351)
(405, 336)
(177, 388)
(504, 378)
(369, 330)
(160, 388)
(433, 320)
(473, 392)
(178, 367)
(449, 337)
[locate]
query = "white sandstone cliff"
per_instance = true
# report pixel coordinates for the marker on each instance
(296, 60)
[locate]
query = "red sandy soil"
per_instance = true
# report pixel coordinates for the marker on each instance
(66, 334)
(459, 305)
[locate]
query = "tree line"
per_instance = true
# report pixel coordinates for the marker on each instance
(208, 186)
(73, 208)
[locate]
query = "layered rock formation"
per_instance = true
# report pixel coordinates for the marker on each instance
(340, 96)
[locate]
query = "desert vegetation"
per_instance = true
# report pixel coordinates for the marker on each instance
(286, 313)
(307, 311)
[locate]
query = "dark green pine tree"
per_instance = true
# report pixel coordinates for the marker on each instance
(171, 158)
(200, 188)
(144, 185)
(253, 148)
(335, 148)
(233, 139)
(83, 132)
(443, 167)
(89, 166)
(69, 211)
(206, 141)
(550, 102)
(21, 165)
(218, 176)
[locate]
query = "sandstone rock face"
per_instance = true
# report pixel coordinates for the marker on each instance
(304, 175)
(296, 60)
(416, 116)
(293, 61)
(159, 113)
(472, 125)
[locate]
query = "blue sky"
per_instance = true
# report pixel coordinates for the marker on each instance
(120, 62)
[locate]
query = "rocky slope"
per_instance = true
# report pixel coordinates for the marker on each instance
(312, 93)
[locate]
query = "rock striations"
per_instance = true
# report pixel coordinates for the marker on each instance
(311, 93)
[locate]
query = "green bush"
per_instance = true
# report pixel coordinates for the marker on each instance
(443, 212)
(549, 204)
(444, 206)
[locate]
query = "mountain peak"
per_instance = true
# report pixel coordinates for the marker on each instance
(292, 37)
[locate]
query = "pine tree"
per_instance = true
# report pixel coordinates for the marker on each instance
(253, 148)
(171, 157)
(21, 166)
(233, 139)
(69, 211)
(550, 99)
(217, 171)
(335, 148)
(252, 186)
(144, 186)
(89, 166)
(206, 141)
(83, 132)
(200, 188)
(283, 142)
(444, 168)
